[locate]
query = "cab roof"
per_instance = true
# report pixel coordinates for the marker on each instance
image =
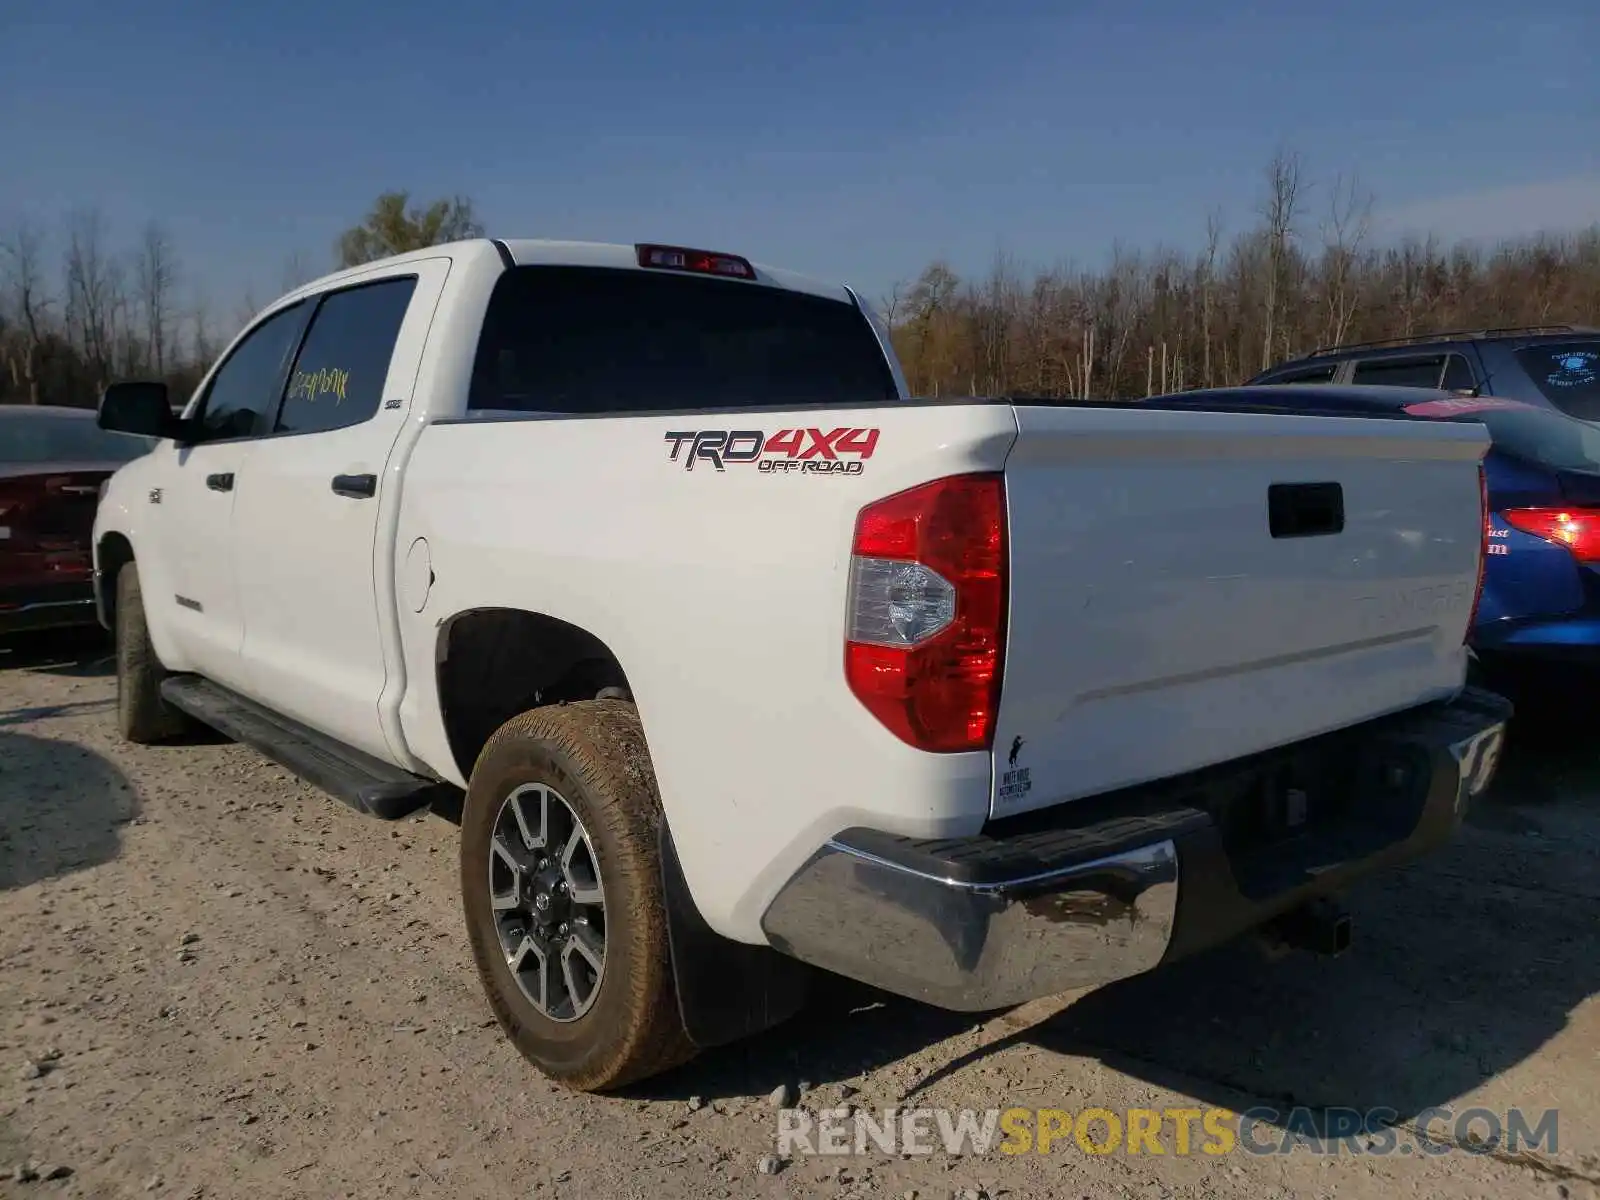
(549, 252)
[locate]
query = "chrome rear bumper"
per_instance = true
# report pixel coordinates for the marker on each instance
(1098, 890)
(976, 946)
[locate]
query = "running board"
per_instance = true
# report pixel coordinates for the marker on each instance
(366, 784)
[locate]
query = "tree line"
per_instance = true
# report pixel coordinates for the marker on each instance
(78, 311)
(1303, 270)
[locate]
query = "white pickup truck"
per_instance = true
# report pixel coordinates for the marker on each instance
(750, 664)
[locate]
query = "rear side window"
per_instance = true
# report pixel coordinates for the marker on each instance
(1568, 375)
(1400, 372)
(1308, 375)
(339, 374)
(604, 340)
(1458, 375)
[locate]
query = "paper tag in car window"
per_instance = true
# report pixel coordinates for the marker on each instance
(5, 532)
(1461, 404)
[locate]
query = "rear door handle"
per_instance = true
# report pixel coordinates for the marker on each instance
(220, 483)
(357, 487)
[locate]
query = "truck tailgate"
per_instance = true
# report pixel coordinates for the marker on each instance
(1184, 592)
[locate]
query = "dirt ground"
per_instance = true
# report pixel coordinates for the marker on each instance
(216, 982)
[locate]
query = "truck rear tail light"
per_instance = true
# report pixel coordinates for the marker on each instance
(698, 262)
(1578, 529)
(925, 634)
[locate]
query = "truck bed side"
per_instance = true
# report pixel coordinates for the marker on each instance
(722, 593)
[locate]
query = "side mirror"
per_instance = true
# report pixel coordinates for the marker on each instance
(139, 408)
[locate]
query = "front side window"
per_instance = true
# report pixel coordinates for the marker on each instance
(339, 374)
(244, 392)
(1568, 375)
(1400, 372)
(606, 340)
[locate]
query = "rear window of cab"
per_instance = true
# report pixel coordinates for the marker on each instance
(595, 340)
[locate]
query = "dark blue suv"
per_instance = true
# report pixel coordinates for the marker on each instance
(1538, 394)
(1548, 366)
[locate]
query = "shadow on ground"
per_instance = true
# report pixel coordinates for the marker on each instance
(1463, 965)
(62, 809)
(79, 653)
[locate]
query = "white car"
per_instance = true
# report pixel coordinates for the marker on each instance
(751, 664)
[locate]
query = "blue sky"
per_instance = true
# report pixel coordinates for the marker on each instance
(850, 140)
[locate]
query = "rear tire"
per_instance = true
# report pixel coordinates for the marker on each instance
(142, 715)
(587, 764)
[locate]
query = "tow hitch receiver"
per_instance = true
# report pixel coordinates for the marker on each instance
(1320, 925)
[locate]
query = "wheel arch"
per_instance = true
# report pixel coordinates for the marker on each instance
(112, 552)
(493, 663)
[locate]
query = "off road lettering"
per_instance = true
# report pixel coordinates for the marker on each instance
(805, 451)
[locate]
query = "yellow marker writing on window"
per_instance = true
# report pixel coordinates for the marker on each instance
(324, 381)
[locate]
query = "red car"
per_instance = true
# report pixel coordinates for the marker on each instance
(52, 462)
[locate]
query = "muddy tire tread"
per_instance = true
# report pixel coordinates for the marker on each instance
(604, 744)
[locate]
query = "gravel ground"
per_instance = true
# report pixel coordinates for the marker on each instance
(216, 982)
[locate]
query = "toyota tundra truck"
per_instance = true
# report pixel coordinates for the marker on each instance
(743, 664)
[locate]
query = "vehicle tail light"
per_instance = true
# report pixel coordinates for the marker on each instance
(18, 499)
(1578, 529)
(1483, 549)
(925, 635)
(698, 262)
(49, 510)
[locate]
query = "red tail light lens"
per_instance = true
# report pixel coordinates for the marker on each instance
(925, 633)
(1578, 529)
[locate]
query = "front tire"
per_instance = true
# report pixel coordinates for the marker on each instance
(142, 715)
(561, 887)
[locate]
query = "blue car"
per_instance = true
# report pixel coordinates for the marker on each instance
(1540, 608)
(1549, 366)
(1541, 585)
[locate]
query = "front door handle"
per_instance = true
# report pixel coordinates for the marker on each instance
(220, 483)
(357, 487)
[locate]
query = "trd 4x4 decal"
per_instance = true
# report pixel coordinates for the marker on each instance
(841, 451)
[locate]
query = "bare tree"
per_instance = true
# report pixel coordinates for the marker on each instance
(203, 347)
(26, 306)
(156, 273)
(893, 303)
(1208, 291)
(94, 291)
(1344, 234)
(245, 310)
(296, 271)
(1280, 213)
